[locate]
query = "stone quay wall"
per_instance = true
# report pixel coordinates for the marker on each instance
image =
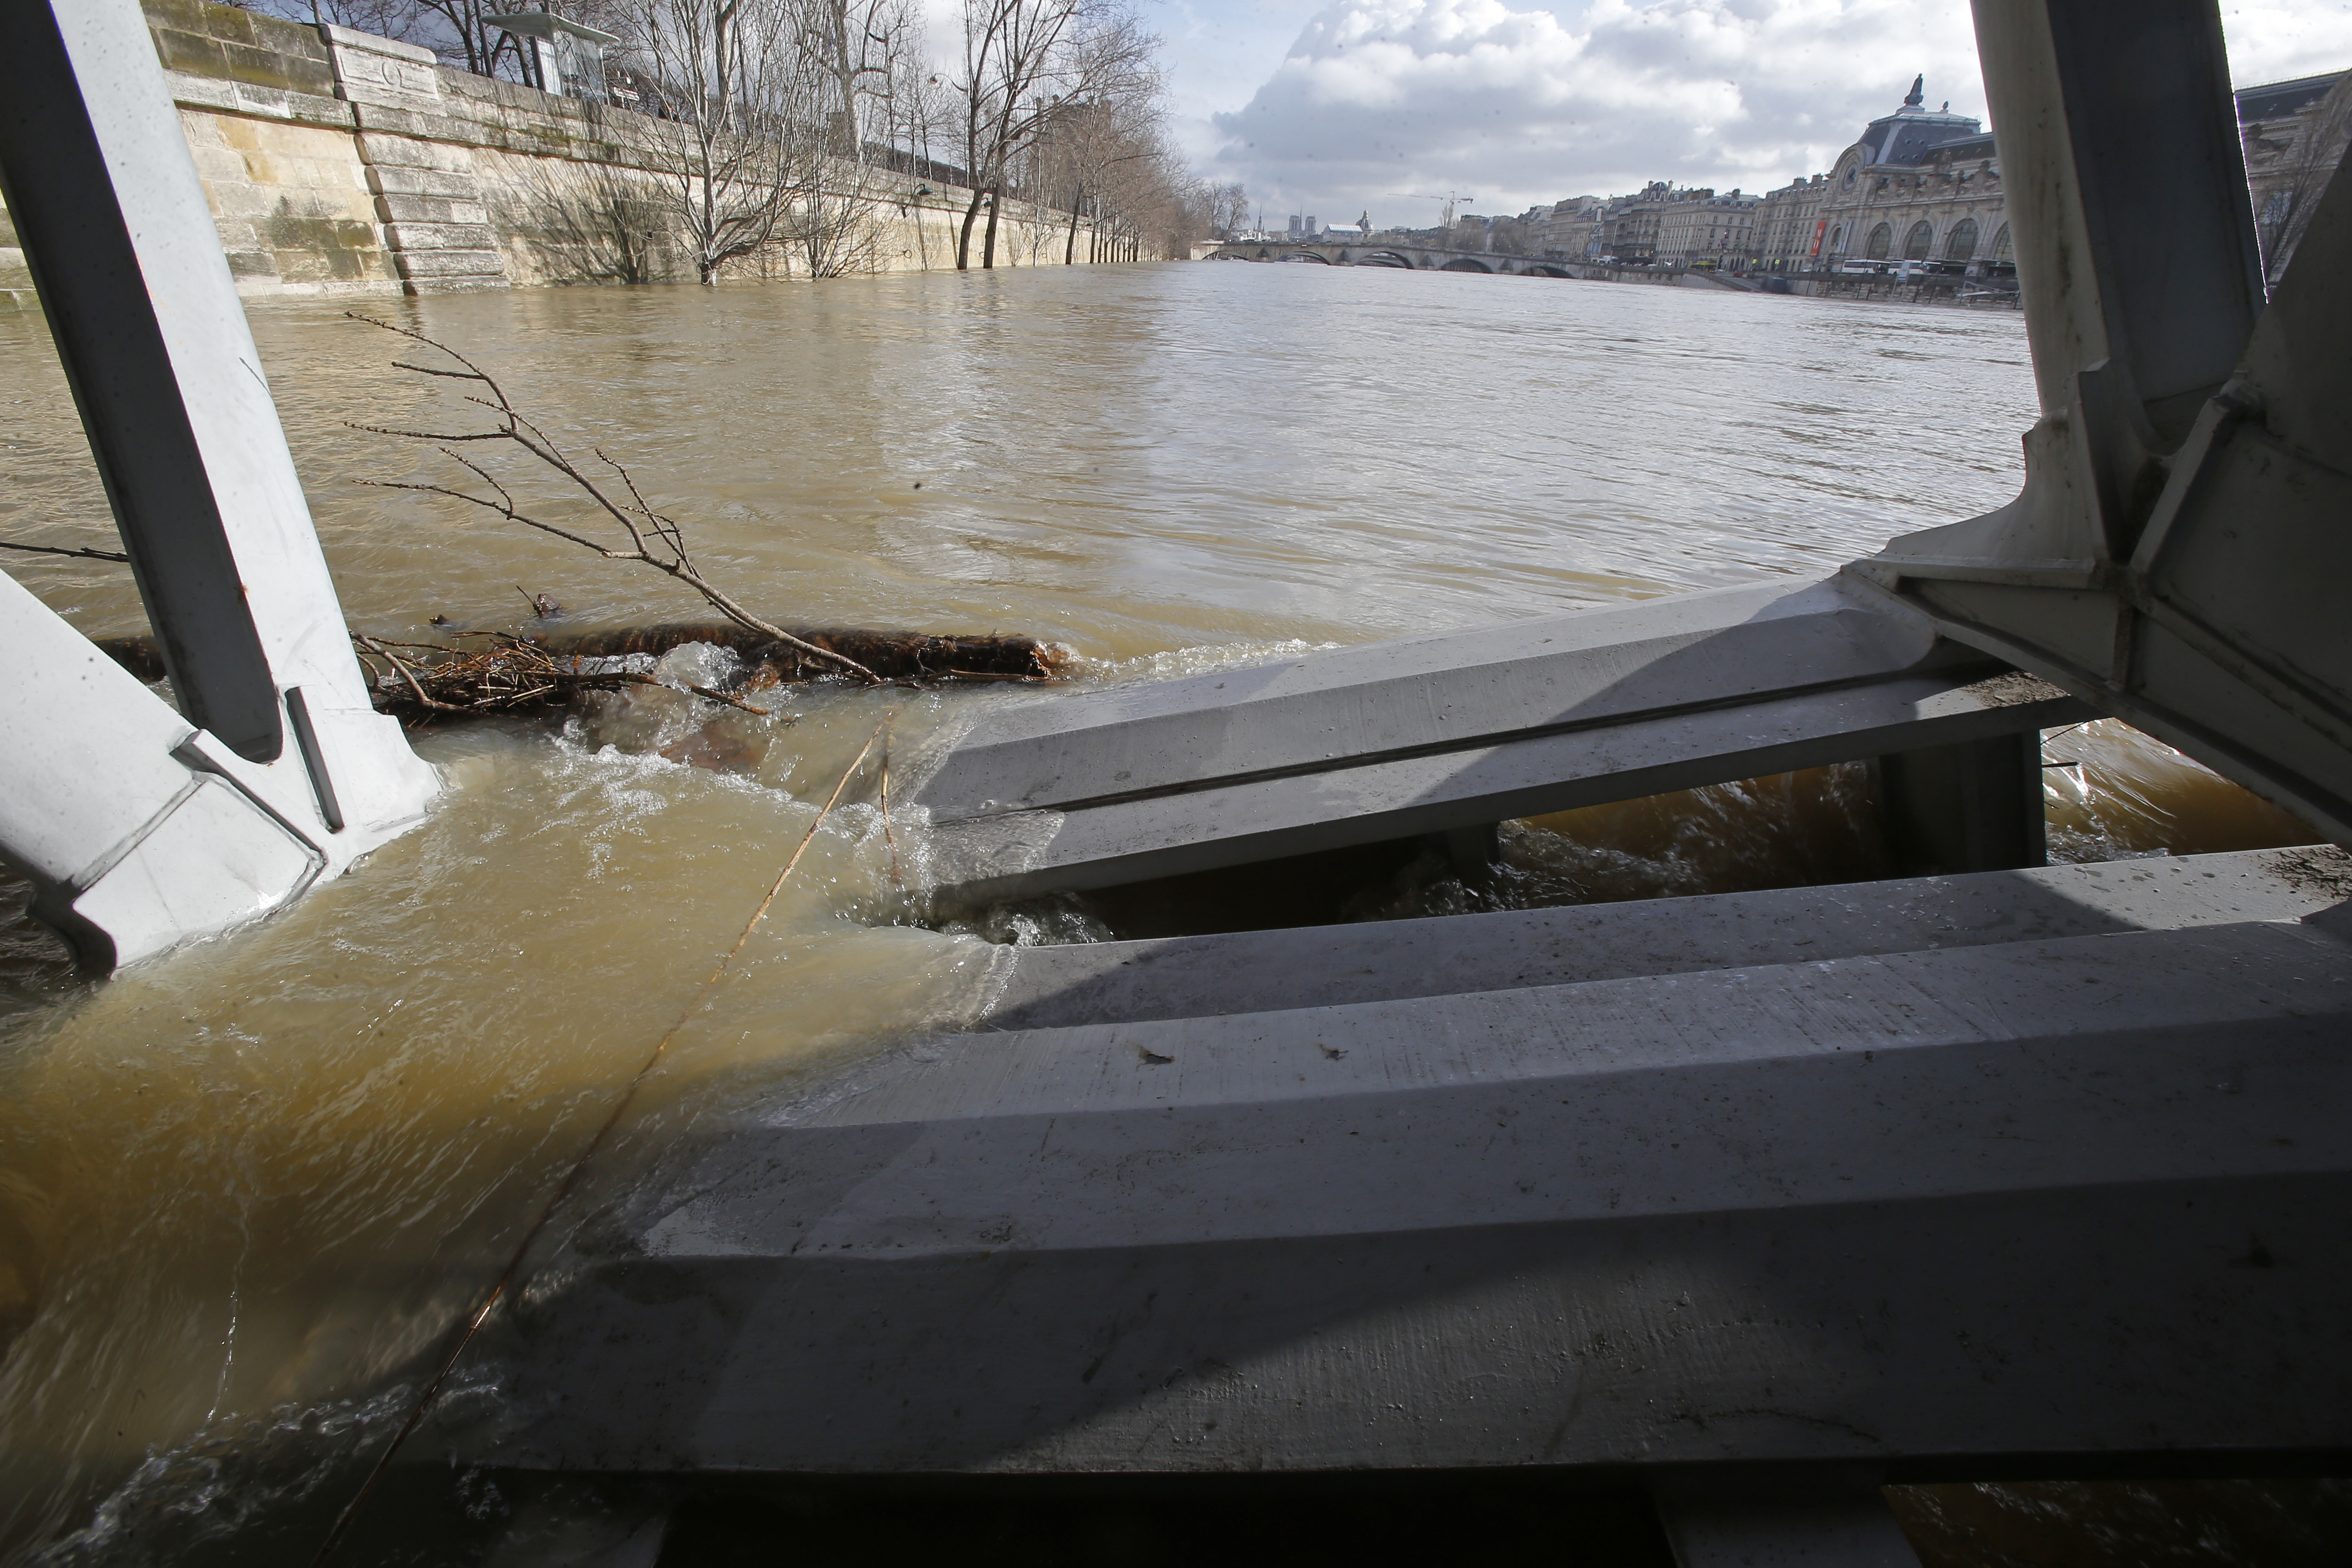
(337, 162)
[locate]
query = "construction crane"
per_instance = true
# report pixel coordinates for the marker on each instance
(1450, 199)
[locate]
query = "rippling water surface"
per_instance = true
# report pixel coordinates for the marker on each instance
(244, 1189)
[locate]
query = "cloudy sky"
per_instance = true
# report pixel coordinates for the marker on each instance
(1334, 106)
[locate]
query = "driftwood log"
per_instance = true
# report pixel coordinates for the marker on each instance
(501, 672)
(893, 655)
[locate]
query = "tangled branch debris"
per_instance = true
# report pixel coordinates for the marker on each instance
(504, 674)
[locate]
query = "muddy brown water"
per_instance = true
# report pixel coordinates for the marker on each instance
(245, 1188)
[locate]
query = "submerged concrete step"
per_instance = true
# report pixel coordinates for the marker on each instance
(1424, 735)
(1447, 690)
(1106, 843)
(1245, 972)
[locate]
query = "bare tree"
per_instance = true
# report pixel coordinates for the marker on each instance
(858, 57)
(1079, 155)
(1227, 210)
(742, 147)
(873, 51)
(1028, 67)
(1111, 156)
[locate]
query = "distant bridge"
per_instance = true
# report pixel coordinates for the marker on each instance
(1377, 252)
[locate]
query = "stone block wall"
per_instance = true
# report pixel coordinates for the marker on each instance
(337, 162)
(292, 205)
(224, 44)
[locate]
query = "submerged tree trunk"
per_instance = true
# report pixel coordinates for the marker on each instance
(964, 240)
(1070, 245)
(896, 654)
(988, 247)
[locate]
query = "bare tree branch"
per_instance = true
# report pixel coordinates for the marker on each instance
(670, 558)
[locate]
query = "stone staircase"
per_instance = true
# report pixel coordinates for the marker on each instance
(427, 194)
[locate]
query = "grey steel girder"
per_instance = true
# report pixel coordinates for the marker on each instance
(1397, 739)
(2178, 552)
(140, 826)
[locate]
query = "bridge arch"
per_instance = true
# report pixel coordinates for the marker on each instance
(1316, 257)
(1466, 264)
(1383, 258)
(1545, 269)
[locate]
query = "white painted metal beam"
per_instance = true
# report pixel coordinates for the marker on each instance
(276, 750)
(1322, 966)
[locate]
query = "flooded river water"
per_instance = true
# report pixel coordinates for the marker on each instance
(246, 1188)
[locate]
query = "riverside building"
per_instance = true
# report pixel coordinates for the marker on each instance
(1925, 188)
(1920, 193)
(2295, 134)
(1922, 186)
(1699, 228)
(1788, 225)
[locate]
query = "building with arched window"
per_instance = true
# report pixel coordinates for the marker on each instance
(1916, 193)
(1896, 199)
(2295, 134)
(1920, 191)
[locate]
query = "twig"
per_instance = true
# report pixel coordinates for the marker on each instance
(514, 673)
(61, 550)
(715, 696)
(580, 1165)
(410, 677)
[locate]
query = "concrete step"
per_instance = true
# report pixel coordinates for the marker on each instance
(1248, 971)
(1395, 740)
(1815, 1212)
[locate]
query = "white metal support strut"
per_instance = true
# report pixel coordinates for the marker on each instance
(141, 826)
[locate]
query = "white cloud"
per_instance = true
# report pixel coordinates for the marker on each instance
(2278, 40)
(1520, 106)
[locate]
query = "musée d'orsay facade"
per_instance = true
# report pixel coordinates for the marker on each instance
(1923, 187)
